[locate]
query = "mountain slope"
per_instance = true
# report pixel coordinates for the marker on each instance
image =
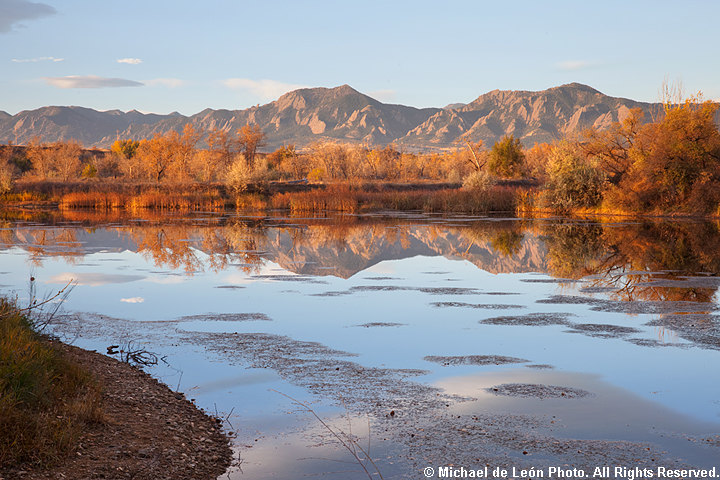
(530, 116)
(343, 114)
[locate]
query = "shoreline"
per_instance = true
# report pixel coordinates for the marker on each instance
(150, 432)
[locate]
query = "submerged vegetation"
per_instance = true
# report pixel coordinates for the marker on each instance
(664, 165)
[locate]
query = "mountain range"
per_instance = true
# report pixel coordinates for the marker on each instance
(343, 114)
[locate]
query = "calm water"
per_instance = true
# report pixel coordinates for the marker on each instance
(426, 340)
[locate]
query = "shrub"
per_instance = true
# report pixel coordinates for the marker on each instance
(7, 171)
(479, 181)
(574, 181)
(239, 175)
(506, 157)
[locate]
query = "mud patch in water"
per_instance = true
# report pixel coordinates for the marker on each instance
(601, 330)
(450, 291)
(380, 324)
(483, 306)
(379, 288)
(652, 343)
(474, 360)
(398, 288)
(519, 441)
(327, 372)
(618, 306)
(701, 329)
(530, 320)
(540, 366)
(337, 293)
(535, 390)
(288, 278)
(227, 317)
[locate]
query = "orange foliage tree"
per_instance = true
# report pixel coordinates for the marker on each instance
(250, 139)
(676, 163)
(612, 147)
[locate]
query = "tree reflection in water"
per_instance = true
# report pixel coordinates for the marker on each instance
(643, 260)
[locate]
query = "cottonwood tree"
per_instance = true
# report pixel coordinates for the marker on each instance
(222, 145)
(39, 156)
(676, 162)
(155, 156)
(613, 147)
(182, 150)
(476, 159)
(250, 139)
(66, 157)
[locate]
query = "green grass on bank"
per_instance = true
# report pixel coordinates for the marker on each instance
(45, 399)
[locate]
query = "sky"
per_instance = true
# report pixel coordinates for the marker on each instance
(179, 55)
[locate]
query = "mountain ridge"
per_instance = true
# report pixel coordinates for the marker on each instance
(343, 114)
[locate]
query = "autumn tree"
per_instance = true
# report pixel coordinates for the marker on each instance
(286, 159)
(7, 168)
(155, 156)
(66, 157)
(676, 162)
(125, 148)
(38, 155)
(506, 157)
(59, 159)
(168, 154)
(250, 139)
(334, 160)
(536, 160)
(182, 151)
(476, 158)
(222, 145)
(613, 147)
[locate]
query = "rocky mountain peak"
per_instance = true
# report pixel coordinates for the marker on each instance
(342, 113)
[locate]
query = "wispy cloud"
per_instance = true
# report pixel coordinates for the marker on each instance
(133, 300)
(93, 279)
(14, 11)
(37, 59)
(572, 65)
(165, 82)
(131, 61)
(90, 81)
(383, 95)
(265, 89)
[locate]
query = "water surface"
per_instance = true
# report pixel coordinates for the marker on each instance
(426, 340)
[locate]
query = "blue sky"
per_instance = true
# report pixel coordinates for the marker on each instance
(163, 56)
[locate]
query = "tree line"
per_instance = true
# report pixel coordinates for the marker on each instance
(671, 163)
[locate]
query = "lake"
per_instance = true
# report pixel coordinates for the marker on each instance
(422, 341)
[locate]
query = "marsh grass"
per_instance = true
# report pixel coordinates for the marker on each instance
(350, 199)
(344, 197)
(45, 398)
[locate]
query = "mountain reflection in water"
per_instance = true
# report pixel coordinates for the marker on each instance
(487, 337)
(642, 260)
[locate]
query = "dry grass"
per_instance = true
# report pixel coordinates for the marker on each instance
(338, 197)
(136, 197)
(45, 400)
(177, 201)
(345, 198)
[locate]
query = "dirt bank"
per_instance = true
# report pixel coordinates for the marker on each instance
(150, 433)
